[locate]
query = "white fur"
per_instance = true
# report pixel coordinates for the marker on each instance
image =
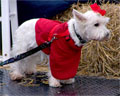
(25, 40)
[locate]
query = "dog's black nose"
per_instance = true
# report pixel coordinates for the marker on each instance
(107, 35)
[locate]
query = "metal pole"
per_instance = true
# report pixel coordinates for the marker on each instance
(13, 16)
(5, 29)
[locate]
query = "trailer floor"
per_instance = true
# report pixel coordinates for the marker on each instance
(37, 85)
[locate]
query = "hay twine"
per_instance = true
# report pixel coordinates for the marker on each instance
(99, 58)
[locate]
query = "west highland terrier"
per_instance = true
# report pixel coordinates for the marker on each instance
(64, 52)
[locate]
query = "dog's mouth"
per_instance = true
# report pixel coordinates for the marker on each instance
(105, 38)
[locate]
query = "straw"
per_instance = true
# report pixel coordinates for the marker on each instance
(99, 58)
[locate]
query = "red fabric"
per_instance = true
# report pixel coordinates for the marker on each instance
(97, 8)
(64, 55)
(42, 29)
(57, 35)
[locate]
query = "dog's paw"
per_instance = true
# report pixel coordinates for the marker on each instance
(16, 76)
(30, 72)
(69, 81)
(54, 82)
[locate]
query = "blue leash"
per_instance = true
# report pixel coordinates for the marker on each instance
(26, 54)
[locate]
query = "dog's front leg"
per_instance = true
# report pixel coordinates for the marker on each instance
(53, 82)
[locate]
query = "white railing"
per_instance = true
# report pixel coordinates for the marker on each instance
(8, 16)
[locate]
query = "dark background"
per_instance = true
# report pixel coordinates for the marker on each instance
(28, 9)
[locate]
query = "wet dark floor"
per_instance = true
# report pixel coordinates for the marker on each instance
(37, 85)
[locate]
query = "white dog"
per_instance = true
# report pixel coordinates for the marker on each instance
(81, 29)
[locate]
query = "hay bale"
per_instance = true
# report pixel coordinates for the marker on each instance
(99, 58)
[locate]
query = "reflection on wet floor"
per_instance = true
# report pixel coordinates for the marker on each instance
(37, 85)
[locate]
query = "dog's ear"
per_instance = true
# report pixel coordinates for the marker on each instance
(79, 16)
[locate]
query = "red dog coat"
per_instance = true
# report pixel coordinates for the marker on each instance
(64, 55)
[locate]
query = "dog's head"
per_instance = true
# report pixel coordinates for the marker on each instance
(91, 25)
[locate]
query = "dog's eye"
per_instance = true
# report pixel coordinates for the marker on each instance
(96, 25)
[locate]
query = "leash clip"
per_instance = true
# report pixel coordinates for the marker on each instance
(51, 40)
